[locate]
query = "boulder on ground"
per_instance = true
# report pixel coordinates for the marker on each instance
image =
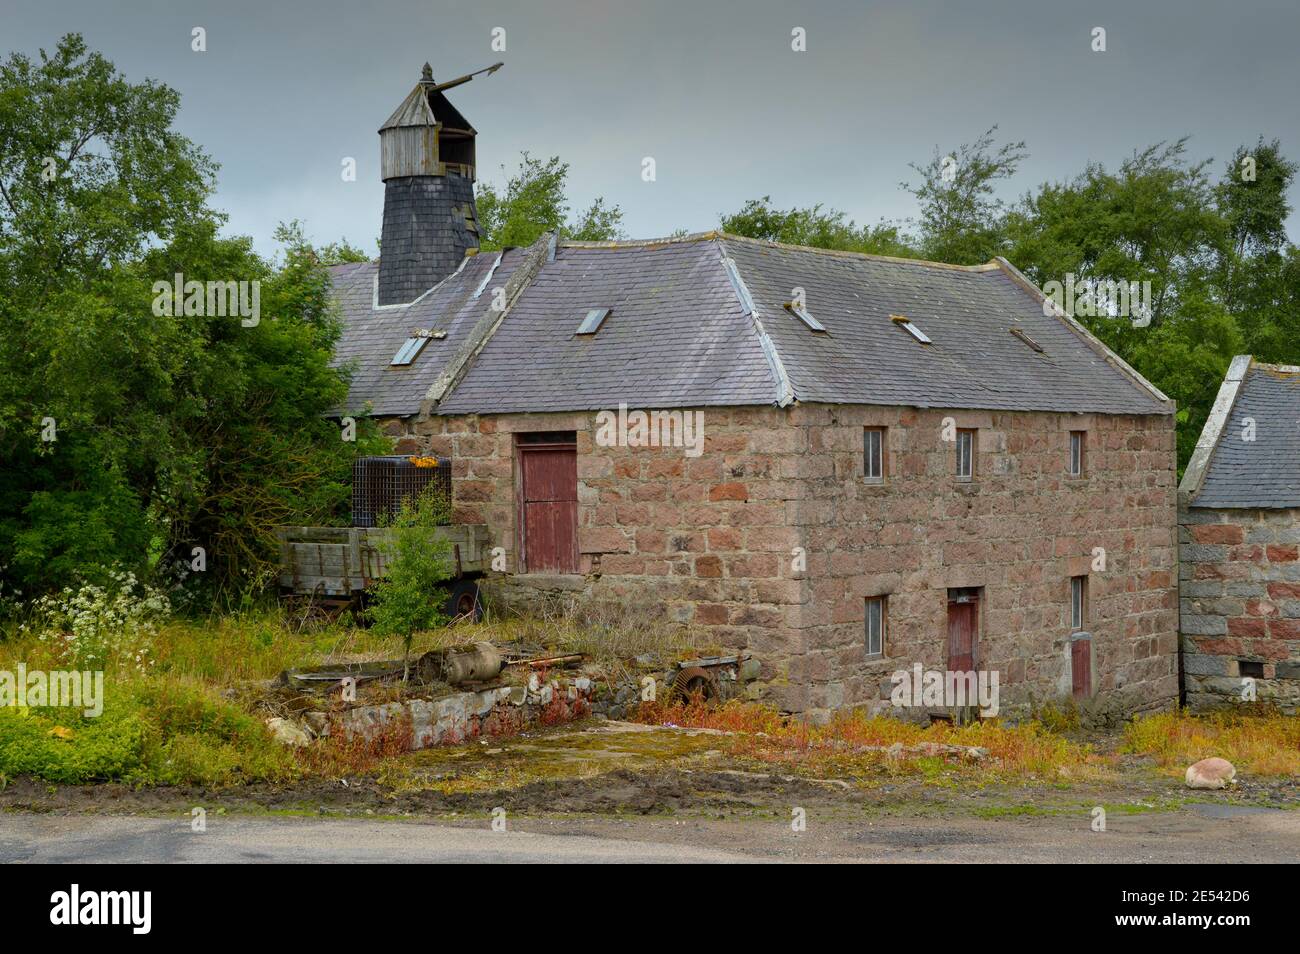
(1211, 773)
(287, 733)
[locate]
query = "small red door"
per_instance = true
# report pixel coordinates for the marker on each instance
(1081, 667)
(963, 627)
(549, 505)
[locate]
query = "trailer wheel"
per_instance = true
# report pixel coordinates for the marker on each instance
(463, 602)
(696, 684)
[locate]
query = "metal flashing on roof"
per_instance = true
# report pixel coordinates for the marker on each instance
(784, 390)
(906, 324)
(802, 313)
(1034, 345)
(591, 324)
(488, 277)
(375, 306)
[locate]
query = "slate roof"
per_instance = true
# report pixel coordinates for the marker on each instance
(675, 336)
(1265, 472)
(974, 361)
(371, 336)
(700, 321)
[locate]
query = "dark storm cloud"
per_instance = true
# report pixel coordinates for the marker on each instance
(710, 89)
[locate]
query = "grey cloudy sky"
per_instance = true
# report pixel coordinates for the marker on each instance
(710, 89)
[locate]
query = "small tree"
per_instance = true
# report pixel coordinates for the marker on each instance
(417, 562)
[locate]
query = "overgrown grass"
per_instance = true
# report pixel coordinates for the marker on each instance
(190, 716)
(1263, 743)
(853, 744)
(185, 720)
(153, 730)
(609, 635)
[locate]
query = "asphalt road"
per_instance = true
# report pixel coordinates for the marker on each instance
(128, 840)
(1206, 834)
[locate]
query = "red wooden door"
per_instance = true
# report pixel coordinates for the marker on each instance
(1081, 667)
(549, 501)
(963, 625)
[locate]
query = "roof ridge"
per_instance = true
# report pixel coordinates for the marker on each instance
(714, 235)
(642, 243)
(1282, 368)
(989, 266)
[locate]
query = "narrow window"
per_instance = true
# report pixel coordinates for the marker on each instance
(1078, 602)
(873, 455)
(1078, 446)
(965, 454)
(875, 625)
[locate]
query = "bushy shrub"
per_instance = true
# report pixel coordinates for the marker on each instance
(60, 747)
(152, 731)
(93, 626)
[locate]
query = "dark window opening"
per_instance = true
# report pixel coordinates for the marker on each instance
(546, 437)
(875, 626)
(966, 454)
(873, 454)
(1078, 602)
(1078, 451)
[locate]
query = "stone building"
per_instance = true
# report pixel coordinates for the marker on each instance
(1239, 536)
(850, 465)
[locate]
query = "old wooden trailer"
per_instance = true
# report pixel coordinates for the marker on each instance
(334, 566)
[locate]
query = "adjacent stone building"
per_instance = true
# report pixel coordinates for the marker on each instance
(850, 465)
(1239, 536)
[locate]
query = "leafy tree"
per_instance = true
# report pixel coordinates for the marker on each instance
(1252, 197)
(1152, 221)
(93, 173)
(1259, 270)
(961, 219)
(534, 201)
(410, 597)
(339, 253)
(816, 227)
(130, 433)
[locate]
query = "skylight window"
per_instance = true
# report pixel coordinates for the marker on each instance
(591, 324)
(911, 329)
(802, 313)
(410, 348)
